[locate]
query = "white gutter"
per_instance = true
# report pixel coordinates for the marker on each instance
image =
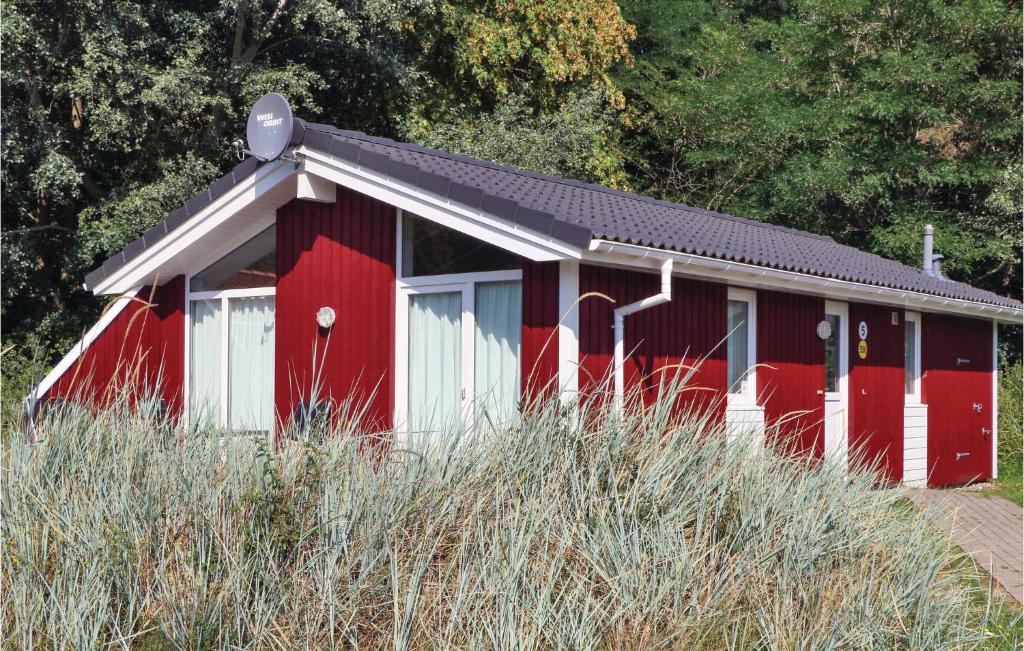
(743, 274)
(619, 327)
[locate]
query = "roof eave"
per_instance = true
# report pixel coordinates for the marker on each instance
(617, 253)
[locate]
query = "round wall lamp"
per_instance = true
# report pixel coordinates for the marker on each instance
(325, 317)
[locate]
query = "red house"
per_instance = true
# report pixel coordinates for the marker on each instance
(434, 287)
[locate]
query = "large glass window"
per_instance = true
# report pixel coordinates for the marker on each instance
(253, 264)
(429, 249)
(231, 360)
(435, 358)
(462, 302)
(740, 343)
(452, 375)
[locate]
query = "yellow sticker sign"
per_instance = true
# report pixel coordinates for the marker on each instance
(862, 349)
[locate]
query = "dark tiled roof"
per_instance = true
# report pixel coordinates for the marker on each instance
(575, 212)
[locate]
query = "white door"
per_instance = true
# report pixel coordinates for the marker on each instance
(836, 365)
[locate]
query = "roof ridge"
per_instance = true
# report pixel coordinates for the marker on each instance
(470, 160)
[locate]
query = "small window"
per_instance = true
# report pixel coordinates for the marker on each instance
(253, 264)
(740, 343)
(429, 249)
(832, 354)
(912, 357)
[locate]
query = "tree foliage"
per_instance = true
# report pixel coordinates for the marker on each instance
(863, 120)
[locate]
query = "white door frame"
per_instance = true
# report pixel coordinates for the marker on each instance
(840, 398)
(413, 285)
(465, 283)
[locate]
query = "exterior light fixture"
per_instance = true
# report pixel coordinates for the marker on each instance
(325, 317)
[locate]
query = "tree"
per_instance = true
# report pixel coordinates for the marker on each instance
(862, 120)
(115, 112)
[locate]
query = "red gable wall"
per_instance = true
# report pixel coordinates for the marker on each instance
(339, 255)
(691, 326)
(142, 348)
(791, 371)
(956, 366)
(876, 388)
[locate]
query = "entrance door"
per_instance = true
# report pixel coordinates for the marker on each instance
(836, 380)
(957, 363)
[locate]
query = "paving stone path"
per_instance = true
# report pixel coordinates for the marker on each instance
(990, 529)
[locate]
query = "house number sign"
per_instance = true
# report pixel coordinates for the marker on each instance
(862, 330)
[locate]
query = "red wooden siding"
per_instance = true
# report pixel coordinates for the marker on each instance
(690, 327)
(540, 329)
(339, 255)
(876, 389)
(791, 371)
(956, 363)
(142, 349)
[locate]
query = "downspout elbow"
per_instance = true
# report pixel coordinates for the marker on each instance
(619, 330)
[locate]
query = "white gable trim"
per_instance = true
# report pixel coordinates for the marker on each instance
(748, 275)
(475, 223)
(91, 335)
(150, 261)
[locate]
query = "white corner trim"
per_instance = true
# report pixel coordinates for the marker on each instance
(475, 223)
(995, 400)
(632, 255)
(149, 261)
(91, 335)
(315, 188)
(569, 330)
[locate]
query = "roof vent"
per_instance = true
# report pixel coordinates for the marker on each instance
(928, 258)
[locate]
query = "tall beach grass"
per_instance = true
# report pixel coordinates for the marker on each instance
(568, 530)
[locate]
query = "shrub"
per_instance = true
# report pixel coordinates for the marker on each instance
(565, 531)
(1011, 424)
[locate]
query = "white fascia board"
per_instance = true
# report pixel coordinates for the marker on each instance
(748, 275)
(93, 333)
(149, 262)
(475, 223)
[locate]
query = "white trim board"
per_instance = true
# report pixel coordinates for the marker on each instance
(91, 335)
(475, 223)
(273, 184)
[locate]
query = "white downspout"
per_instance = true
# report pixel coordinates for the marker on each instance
(619, 327)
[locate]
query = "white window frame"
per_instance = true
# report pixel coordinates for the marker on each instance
(748, 396)
(842, 310)
(405, 287)
(915, 318)
(223, 296)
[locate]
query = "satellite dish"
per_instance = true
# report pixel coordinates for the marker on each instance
(269, 129)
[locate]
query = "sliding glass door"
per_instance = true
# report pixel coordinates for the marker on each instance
(462, 363)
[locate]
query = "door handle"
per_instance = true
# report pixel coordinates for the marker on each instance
(962, 454)
(977, 406)
(985, 431)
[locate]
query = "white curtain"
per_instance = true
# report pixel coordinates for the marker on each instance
(205, 387)
(251, 363)
(435, 359)
(499, 320)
